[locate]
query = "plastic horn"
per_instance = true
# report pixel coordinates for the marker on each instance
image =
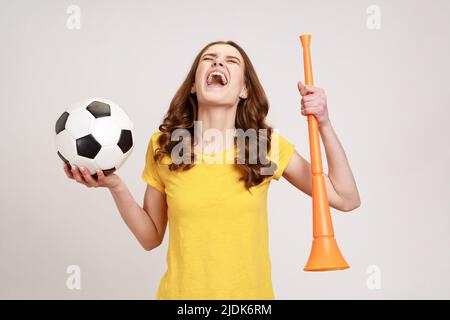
(325, 254)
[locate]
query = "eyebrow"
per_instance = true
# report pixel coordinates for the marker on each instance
(215, 55)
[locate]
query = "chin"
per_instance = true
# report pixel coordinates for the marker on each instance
(215, 97)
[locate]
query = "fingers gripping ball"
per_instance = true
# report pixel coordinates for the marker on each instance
(100, 174)
(95, 134)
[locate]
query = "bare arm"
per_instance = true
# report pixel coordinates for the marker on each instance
(148, 224)
(341, 187)
(339, 171)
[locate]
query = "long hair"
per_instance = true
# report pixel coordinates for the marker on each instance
(250, 114)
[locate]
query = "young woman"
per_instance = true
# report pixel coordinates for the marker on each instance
(217, 212)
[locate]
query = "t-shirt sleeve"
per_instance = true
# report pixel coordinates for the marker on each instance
(281, 152)
(150, 173)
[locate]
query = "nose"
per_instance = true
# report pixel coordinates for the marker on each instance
(215, 63)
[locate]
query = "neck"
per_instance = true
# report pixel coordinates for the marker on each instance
(216, 121)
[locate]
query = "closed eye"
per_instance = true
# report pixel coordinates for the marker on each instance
(232, 61)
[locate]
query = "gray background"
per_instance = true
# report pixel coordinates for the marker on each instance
(388, 99)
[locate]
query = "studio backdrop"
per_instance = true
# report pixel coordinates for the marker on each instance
(383, 64)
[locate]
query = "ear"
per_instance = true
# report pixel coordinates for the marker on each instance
(244, 93)
(193, 88)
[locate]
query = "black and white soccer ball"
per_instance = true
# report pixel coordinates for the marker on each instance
(96, 134)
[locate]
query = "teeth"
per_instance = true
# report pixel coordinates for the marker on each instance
(222, 76)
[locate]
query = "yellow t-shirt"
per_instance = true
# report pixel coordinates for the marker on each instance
(218, 230)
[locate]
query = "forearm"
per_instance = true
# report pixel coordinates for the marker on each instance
(339, 170)
(136, 218)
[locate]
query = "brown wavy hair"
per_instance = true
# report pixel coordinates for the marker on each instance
(250, 114)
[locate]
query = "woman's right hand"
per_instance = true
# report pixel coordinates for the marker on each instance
(110, 181)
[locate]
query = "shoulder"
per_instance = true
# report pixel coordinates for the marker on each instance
(281, 151)
(154, 145)
(154, 138)
(279, 142)
(155, 135)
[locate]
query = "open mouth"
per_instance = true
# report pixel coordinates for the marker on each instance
(216, 79)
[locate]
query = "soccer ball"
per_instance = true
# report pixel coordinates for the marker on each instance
(96, 134)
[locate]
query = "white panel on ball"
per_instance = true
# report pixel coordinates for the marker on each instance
(84, 162)
(108, 157)
(121, 118)
(66, 145)
(105, 131)
(80, 123)
(125, 157)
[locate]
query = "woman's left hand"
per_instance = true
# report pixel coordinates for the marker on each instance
(314, 102)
